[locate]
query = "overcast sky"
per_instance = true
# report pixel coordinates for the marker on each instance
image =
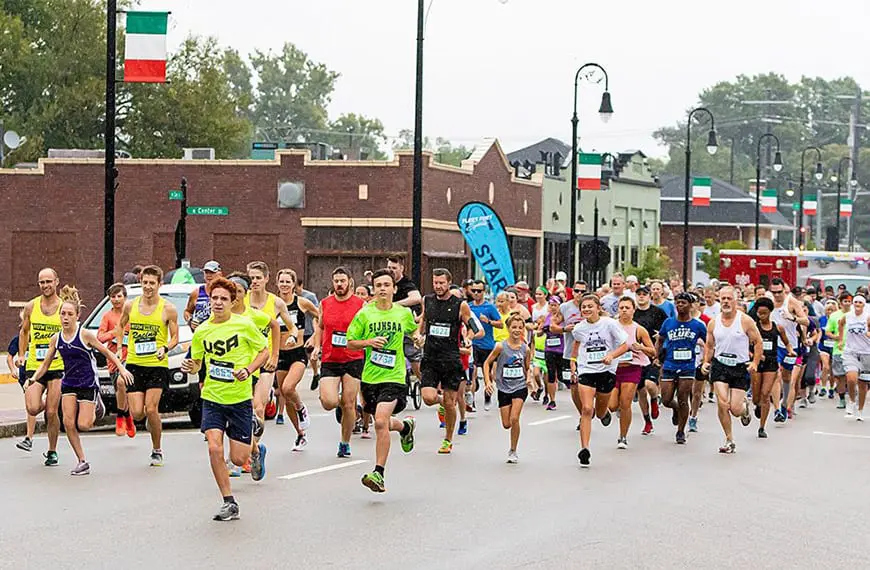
(505, 68)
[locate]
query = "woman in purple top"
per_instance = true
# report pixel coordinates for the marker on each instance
(553, 347)
(79, 387)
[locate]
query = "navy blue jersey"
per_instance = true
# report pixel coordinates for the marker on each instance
(680, 339)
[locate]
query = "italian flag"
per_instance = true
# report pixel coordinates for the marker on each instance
(589, 171)
(145, 49)
(768, 200)
(846, 208)
(701, 191)
(810, 205)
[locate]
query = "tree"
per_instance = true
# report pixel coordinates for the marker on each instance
(710, 258)
(655, 265)
(443, 149)
(364, 137)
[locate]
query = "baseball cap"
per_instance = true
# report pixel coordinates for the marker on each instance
(631, 279)
(643, 289)
(561, 276)
(212, 266)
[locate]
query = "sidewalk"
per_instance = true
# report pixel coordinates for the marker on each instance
(12, 415)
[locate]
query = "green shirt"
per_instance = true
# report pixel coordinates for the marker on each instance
(388, 363)
(225, 348)
(833, 327)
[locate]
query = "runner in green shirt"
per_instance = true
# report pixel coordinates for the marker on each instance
(379, 328)
(232, 348)
(833, 328)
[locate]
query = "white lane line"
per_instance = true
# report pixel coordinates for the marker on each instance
(323, 469)
(549, 420)
(849, 435)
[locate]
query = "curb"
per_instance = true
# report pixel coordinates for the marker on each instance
(19, 429)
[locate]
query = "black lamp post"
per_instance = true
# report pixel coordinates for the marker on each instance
(852, 182)
(818, 174)
(605, 111)
(712, 147)
(777, 166)
(417, 199)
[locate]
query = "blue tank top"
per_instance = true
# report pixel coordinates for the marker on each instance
(202, 308)
(680, 339)
(79, 364)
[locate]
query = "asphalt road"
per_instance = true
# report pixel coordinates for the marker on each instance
(795, 499)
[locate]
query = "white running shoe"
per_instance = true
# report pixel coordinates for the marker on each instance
(859, 416)
(304, 419)
(512, 457)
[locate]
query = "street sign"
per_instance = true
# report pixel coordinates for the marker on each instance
(176, 195)
(208, 211)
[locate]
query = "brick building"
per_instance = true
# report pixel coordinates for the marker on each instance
(330, 212)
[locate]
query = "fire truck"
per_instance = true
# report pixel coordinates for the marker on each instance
(817, 268)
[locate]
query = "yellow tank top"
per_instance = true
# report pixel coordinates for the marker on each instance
(42, 328)
(268, 307)
(148, 333)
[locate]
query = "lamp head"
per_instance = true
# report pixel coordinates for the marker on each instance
(777, 161)
(712, 142)
(819, 174)
(605, 110)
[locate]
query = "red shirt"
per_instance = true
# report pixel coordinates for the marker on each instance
(336, 317)
(106, 335)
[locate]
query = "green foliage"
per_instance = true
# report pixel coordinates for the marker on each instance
(710, 258)
(655, 265)
(445, 152)
(364, 137)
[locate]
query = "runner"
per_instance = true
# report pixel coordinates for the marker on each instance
(379, 328)
(826, 346)
(511, 358)
(407, 295)
(679, 338)
(117, 294)
(712, 306)
(598, 344)
(198, 307)
(570, 316)
(788, 313)
(342, 368)
(650, 317)
(657, 294)
(772, 335)
(729, 337)
(153, 334)
(308, 336)
(363, 292)
(20, 374)
(40, 322)
(854, 341)
(553, 351)
(80, 388)
(833, 329)
(630, 366)
(232, 349)
(514, 306)
(443, 314)
(490, 319)
(702, 382)
(610, 302)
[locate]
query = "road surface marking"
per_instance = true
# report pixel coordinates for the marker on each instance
(851, 435)
(323, 469)
(549, 420)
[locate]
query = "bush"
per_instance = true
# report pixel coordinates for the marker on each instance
(656, 265)
(710, 261)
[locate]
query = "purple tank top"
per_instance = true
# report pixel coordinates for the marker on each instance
(554, 342)
(79, 365)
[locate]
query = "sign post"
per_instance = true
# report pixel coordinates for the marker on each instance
(181, 226)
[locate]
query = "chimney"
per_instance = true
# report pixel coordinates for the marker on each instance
(557, 164)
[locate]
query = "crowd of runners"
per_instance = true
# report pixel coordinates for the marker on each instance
(750, 350)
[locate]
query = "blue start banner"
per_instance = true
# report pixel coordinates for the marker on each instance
(485, 235)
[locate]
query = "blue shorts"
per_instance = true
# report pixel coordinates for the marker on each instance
(685, 373)
(234, 419)
(782, 354)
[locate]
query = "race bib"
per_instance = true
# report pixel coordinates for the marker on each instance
(555, 341)
(829, 343)
(539, 354)
(339, 339)
(293, 316)
(790, 360)
(41, 352)
(727, 359)
(220, 371)
(864, 376)
(595, 355)
(513, 372)
(440, 331)
(125, 340)
(684, 354)
(566, 375)
(145, 348)
(626, 357)
(383, 358)
(767, 345)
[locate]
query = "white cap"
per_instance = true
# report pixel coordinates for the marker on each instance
(631, 279)
(561, 276)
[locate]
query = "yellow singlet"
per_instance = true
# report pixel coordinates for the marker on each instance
(42, 328)
(148, 333)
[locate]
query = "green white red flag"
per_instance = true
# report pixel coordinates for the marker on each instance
(145, 47)
(701, 191)
(768, 200)
(846, 208)
(589, 171)
(811, 205)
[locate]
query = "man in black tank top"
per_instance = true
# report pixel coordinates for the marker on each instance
(443, 315)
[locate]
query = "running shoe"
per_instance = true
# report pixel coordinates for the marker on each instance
(343, 450)
(812, 398)
(790, 413)
(778, 417)
(675, 416)
(859, 415)
(234, 471)
(693, 425)
(120, 426)
(583, 457)
(546, 400)
(442, 415)
(258, 464)
(25, 444)
(338, 414)
(830, 393)
(374, 481)
(301, 443)
(446, 447)
(647, 428)
(762, 434)
(605, 421)
(621, 443)
(131, 426)
(551, 406)
(156, 458)
(822, 392)
(512, 457)
(710, 398)
(681, 438)
(357, 427)
(407, 440)
(487, 400)
(463, 427)
(757, 412)
(536, 395)
(850, 409)
(469, 399)
(279, 420)
(654, 408)
(258, 426)
(842, 404)
(803, 403)
(728, 447)
(365, 435)
(228, 512)
(784, 412)
(246, 468)
(315, 382)
(50, 458)
(304, 420)
(578, 424)
(746, 416)
(83, 468)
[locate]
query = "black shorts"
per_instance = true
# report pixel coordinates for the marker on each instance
(768, 365)
(148, 378)
(235, 420)
(603, 382)
(650, 372)
(49, 376)
(505, 398)
(412, 353)
(737, 377)
(446, 373)
(685, 374)
(353, 369)
(374, 394)
(287, 358)
(82, 394)
(554, 362)
(480, 355)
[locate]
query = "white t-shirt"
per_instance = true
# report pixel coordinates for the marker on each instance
(610, 302)
(596, 340)
(712, 311)
(570, 315)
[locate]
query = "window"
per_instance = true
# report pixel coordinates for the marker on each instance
(635, 256)
(555, 257)
(523, 253)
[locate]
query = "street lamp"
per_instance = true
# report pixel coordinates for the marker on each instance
(712, 147)
(605, 111)
(819, 174)
(777, 166)
(852, 182)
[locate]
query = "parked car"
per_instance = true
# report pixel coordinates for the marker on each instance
(183, 393)
(852, 282)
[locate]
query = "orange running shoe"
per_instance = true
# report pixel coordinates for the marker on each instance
(131, 427)
(246, 468)
(120, 428)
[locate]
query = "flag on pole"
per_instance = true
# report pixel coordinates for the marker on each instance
(846, 208)
(810, 205)
(145, 49)
(589, 171)
(768, 200)
(701, 191)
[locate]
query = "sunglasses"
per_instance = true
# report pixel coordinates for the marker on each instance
(477, 290)
(579, 290)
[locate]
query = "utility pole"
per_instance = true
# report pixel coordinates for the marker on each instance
(854, 120)
(109, 157)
